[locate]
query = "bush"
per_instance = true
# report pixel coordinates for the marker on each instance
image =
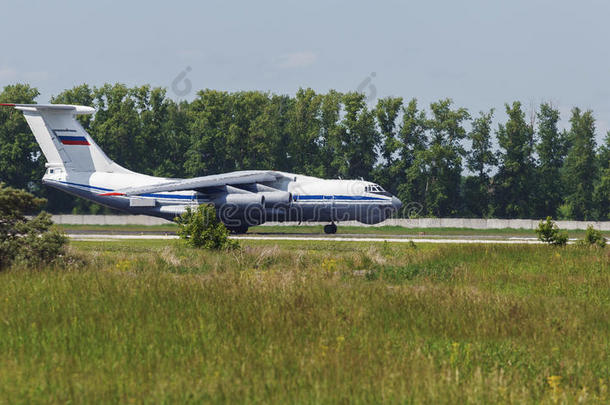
(594, 237)
(30, 241)
(201, 228)
(548, 232)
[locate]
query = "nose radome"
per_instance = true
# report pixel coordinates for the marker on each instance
(396, 203)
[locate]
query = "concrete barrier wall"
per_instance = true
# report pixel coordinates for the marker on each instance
(108, 220)
(473, 223)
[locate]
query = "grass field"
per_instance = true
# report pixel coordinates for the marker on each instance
(309, 322)
(319, 229)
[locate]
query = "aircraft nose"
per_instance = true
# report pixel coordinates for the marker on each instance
(396, 203)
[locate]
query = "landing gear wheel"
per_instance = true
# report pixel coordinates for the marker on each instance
(330, 228)
(238, 229)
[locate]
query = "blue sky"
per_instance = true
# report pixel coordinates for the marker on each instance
(480, 53)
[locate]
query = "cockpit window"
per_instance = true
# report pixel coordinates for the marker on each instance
(375, 189)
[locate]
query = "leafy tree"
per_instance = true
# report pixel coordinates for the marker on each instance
(21, 162)
(480, 160)
(30, 241)
(304, 128)
(267, 136)
(594, 237)
(552, 149)
(443, 158)
(116, 126)
(601, 195)
(209, 122)
(386, 113)
(162, 133)
(357, 139)
(580, 171)
(201, 228)
(411, 166)
(330, 142)
(513, 185)
(548, 232)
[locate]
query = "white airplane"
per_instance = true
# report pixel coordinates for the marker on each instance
(77, 165)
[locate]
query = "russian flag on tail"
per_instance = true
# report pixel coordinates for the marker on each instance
(73, 140)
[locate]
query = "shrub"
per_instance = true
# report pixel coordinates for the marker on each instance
(31, 241)
(201, 228)
(548, 232)
(594, 237)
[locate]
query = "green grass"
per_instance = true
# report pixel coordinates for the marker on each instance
(319, 229)
(309, 322)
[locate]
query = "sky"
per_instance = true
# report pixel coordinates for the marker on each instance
(480, 53)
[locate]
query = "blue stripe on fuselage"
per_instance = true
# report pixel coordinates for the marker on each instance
(178, 197)
(339, 197)
(297, 197)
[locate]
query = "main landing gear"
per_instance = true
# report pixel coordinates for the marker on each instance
(330, 228)
(236, 230)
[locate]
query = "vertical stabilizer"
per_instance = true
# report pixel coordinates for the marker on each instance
(64, 142)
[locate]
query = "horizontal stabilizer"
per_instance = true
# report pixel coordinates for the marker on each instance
(75, 109)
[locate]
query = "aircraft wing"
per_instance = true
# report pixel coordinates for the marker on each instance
(204, 182)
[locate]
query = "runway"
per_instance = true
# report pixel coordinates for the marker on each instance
(317, 237)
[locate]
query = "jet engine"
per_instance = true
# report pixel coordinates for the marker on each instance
(277, 199)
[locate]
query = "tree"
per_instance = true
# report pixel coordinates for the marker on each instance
(513, 185)
(551, 148)
(201, 228)
(601, 196)
(386, 113)
(593, 237)
(303, 131)
(210, 117)
(21, 161)
(330, 142)
(548, 232)
(31, 241)
(116, 126)
(358, 138)
(580, 171)
(480, 161)
(411, 168)
(161, 131)
(443, 159)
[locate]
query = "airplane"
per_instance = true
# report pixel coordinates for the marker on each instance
(77, 165)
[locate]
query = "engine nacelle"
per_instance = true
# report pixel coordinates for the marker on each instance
(277, 199)
(236, 210)
(241, 201)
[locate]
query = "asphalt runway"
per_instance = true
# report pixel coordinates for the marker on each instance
(466, 239)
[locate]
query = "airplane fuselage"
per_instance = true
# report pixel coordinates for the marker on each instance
(311, 198)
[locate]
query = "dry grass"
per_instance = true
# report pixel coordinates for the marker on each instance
(309, 322)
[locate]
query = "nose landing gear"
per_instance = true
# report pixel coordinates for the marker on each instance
(330, 228)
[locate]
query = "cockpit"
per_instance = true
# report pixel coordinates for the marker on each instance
(376, 189)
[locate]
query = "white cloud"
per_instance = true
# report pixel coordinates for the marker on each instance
(296, 60)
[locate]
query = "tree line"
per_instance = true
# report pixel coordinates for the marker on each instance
(441, 157)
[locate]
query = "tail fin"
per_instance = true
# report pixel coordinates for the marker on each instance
(63, 140)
